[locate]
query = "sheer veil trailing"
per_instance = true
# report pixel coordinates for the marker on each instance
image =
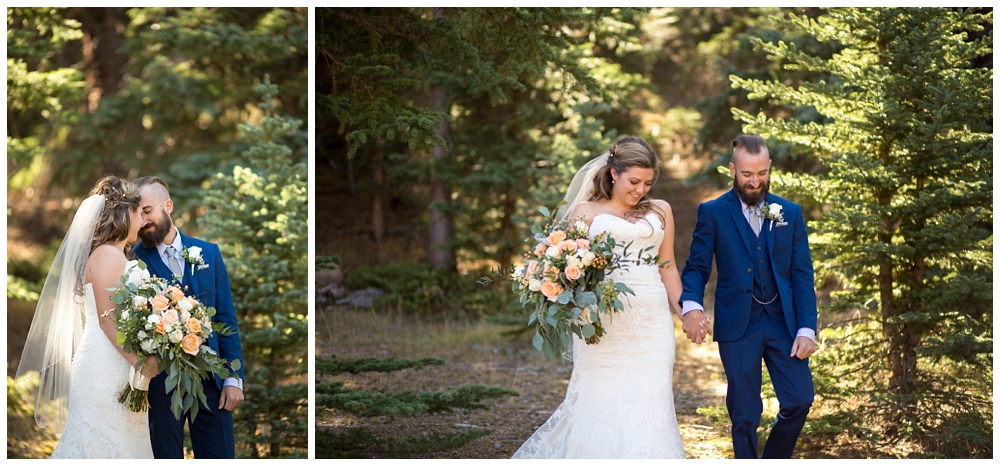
(580, 188)
(57, 327)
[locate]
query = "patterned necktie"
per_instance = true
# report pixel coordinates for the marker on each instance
(172, 262)
(755, 221)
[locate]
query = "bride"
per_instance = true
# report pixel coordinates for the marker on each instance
(620, 401)
(71, 360)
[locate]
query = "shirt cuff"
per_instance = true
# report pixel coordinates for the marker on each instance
(806, 332)
(689, 306)
(234, 382)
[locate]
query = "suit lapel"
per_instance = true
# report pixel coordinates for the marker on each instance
(189, 271)
(736, 209)
(769, 224)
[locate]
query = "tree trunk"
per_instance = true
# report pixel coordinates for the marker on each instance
(103, 35)
(378, 216)
(442, 252)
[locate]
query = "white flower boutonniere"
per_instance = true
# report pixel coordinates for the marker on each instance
(773, 213)
(193, 256)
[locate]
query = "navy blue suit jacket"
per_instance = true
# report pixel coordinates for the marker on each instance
(210, 286)
(720, 231)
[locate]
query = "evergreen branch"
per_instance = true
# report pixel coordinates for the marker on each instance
(358, 366)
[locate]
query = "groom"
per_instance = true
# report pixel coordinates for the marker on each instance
(765, 303)
(162, 249)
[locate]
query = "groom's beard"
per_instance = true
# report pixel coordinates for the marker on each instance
(752, 198)
(153, 233)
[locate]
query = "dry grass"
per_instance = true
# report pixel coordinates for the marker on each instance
(476, 352)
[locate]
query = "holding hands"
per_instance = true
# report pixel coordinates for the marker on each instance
(696, 326)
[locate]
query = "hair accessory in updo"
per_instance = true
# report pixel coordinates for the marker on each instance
(611, 153)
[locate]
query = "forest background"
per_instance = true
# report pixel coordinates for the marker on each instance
(440, 132)
(213, 100)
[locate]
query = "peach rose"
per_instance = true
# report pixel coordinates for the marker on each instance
(551, 272)
(540, 250)
(583, 243)
(175, 294)
(159, 302)
(161, 327)
(573, 273)
(532, 267)
(191, 344)
(556, 236)
(170, 316)
(193, 325)
(551, 290)
(567, 245)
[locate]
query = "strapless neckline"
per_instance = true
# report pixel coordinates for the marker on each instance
(624, 219)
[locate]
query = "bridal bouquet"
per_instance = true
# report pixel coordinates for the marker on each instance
(155, 318)
(565, 282)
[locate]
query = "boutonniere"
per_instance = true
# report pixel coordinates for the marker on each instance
(773, 213)
(193, 256)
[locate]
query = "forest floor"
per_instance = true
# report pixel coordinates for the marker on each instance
(478, 353)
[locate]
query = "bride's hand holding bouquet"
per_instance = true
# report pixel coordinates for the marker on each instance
(169, 332)
(565, 283)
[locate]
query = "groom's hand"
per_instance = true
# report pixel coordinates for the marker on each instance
(231, 396)
(696, 325)
(803, 347)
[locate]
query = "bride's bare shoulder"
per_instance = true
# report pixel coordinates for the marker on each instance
(587, 209)
(105, 262)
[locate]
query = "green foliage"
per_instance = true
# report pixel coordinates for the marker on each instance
(351, 442)
(418, 288)
(24, 438)
(167, 99)
(361, 442)
(259, 216)
(906, 135)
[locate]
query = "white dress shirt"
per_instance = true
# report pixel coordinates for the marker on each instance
(179, 246)
(688, 306)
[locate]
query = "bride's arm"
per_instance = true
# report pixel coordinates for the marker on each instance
(103, 260)
(669, 275)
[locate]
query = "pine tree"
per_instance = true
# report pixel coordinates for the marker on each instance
(258, 215)
(907, 230)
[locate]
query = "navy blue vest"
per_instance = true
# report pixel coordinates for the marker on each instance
(764, 286)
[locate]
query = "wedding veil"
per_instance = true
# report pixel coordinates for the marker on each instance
(580, 188)
(57, 327)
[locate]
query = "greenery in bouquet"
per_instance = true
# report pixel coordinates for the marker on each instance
(156, 318)
(565, 283)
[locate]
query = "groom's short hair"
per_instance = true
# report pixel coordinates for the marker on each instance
(140, 182)
(751, 143)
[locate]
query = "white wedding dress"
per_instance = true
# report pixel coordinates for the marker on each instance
(98, 425)
(620, 399)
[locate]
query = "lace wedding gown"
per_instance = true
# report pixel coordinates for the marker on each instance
(620, 399)
(98, 426)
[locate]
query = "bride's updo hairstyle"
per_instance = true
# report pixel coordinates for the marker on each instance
(121, 197)
(628, 152)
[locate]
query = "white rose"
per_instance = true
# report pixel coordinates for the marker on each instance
(588, 258)
(185, 316)
(534, 285)
(194, 252)
(153, 319)
(134, 273)
(142, 335)
(553, 251)
(573, 261)
(125, 314)
(138, 302)
(176, 335)
(774, 209)
(148, 345)
(185, 306)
